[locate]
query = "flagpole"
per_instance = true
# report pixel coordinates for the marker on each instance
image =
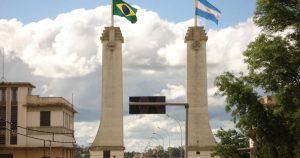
(112, 13)
(111, 30)
(195, 15)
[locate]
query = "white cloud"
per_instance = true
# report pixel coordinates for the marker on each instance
(178, 91)
(64, 47)
(225, 124)
(173, 91)
(85, 132)
(65, 53)
(225, 46)
(69, 45)
(214, 100)
(138, 130)
(218, 124)
(174, 53)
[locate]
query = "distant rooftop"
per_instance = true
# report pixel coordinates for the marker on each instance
(37, 101)
(268, 100)
(16, 84)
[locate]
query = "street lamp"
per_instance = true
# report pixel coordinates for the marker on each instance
(180, 133)
(150, 141)
(148, 144)
(169, 139)
(161, 138)
(138, 147)
(155, 104)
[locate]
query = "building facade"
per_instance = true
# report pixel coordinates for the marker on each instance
(32, 126)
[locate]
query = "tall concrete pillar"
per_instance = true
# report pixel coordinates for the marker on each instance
(109, 138)
(200, 138)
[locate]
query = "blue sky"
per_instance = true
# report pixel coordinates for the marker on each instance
(233, 11)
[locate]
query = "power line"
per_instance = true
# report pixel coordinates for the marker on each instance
(25, 135)
(33, 129)
(31, 137)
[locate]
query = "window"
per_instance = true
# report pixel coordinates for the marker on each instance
(106, 154)
(13, 138)
(2, 137)
(68, 121)
(6, 155)
(45, 118)
(71, 122)
(2, 117)
(2, 124)
(65, 120)
(29, 91)
(14, 125)
(14, 99)
(14, 117)
(2, 97)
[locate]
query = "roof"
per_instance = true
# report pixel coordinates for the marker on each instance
(37, 101)
(16, 84)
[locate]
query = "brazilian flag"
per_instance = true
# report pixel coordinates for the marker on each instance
(123, 9)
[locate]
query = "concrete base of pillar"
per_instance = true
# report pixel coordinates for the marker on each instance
(113, 154)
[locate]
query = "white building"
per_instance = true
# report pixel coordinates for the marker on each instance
(33, 126)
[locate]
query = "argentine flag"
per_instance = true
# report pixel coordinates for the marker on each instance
(207, 11)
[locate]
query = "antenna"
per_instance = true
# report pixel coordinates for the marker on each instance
(72, 99)
(3, 66)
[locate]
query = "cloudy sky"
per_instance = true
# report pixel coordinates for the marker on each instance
(55, 45)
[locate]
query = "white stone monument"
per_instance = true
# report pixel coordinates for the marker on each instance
(109, 139)
(201, 141)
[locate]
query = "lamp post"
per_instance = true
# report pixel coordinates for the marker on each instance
(138, 148)
(150, 141)
(180, 133)
(148, 144)
(169, 140)
(155, 104)
(162, 140)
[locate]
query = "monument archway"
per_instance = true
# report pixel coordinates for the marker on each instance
(109, 139)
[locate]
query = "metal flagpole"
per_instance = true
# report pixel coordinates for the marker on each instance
(195, 15)
(111, 30)
(112, 13)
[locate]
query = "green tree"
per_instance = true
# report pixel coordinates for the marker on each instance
(231, 141)
(158, 151)
(175, 152)
(274, 67)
